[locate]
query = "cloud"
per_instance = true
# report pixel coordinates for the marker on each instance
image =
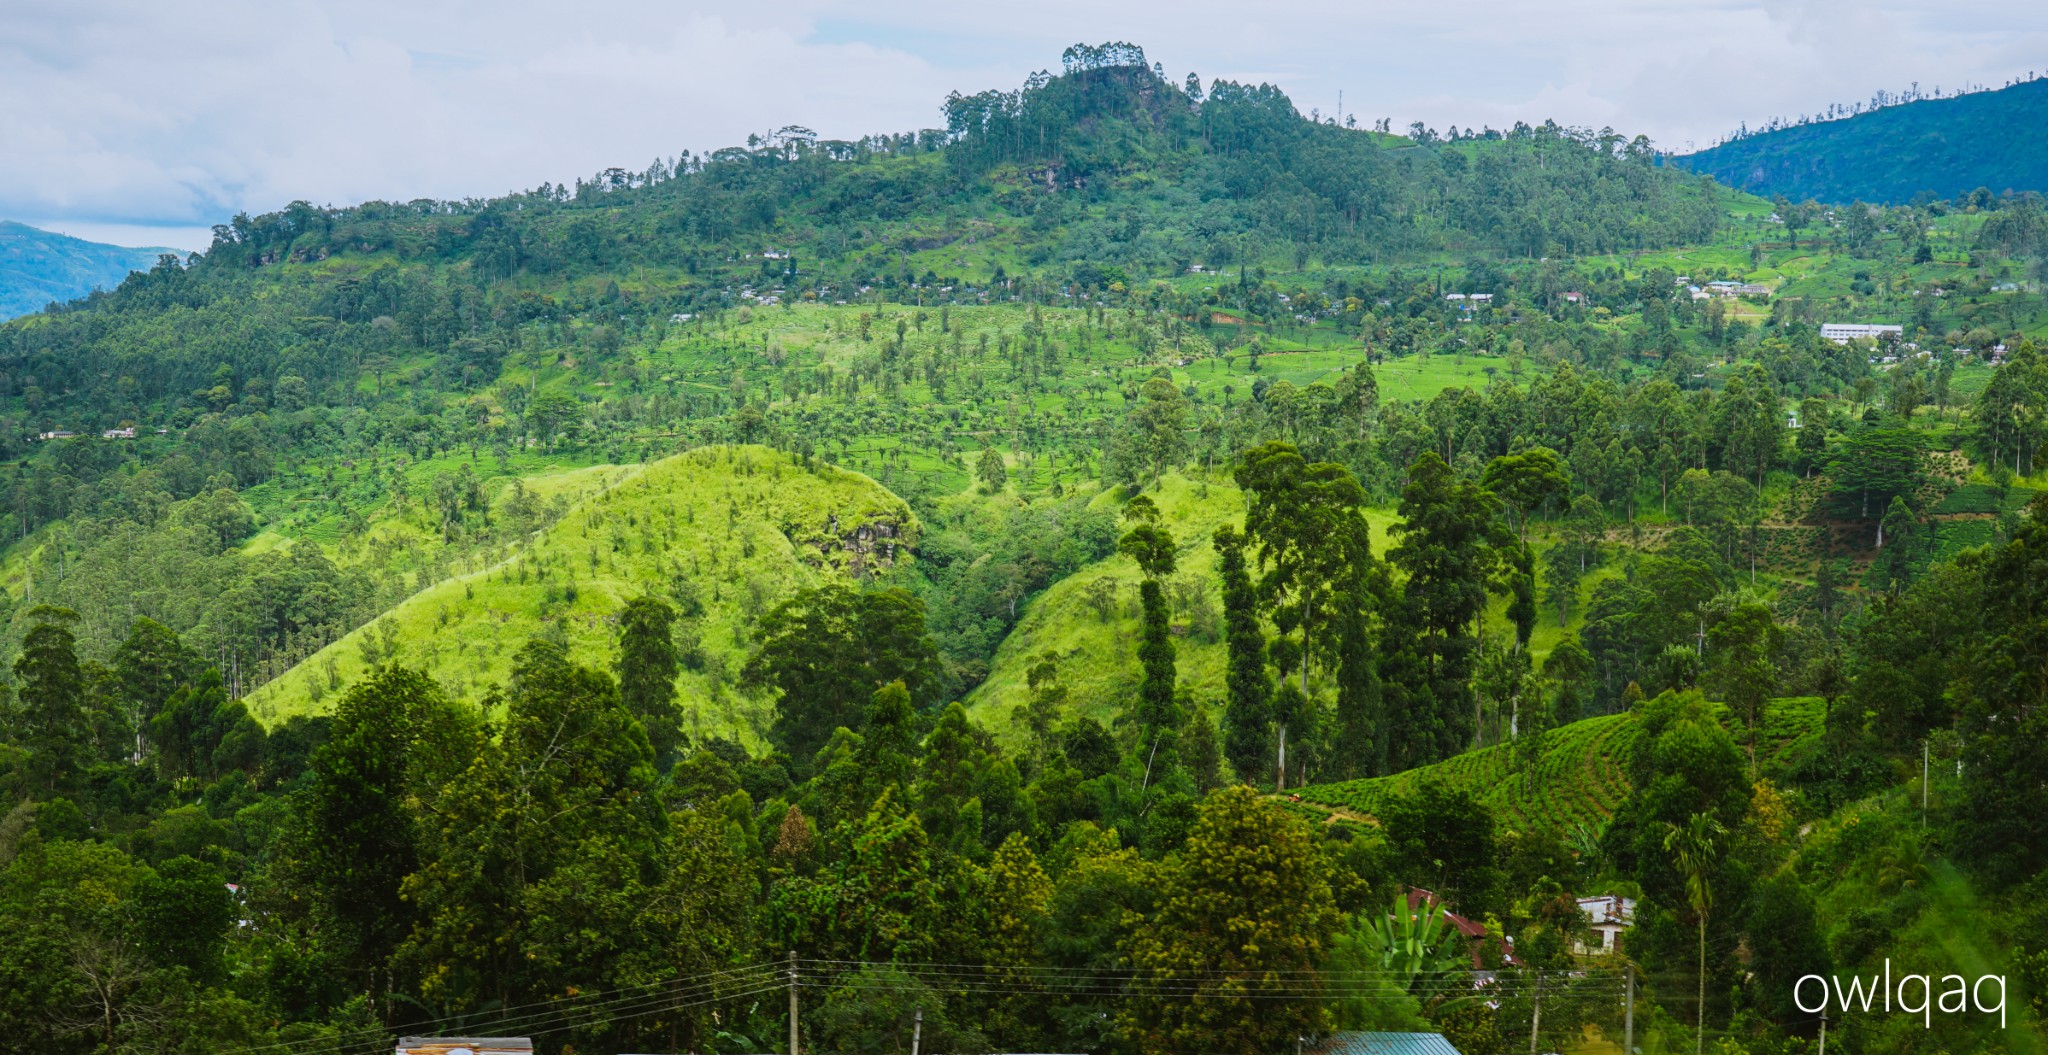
(180, 113)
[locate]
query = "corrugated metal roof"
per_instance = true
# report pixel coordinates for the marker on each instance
(465, 1046)
(1358, 1043)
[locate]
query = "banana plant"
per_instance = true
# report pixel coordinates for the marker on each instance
(1418, 945)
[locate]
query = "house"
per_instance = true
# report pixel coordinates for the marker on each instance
(119, 434)
(1574, 297)
(1844, 332)
(1609, 914)
(60, 434)
(1454, 296)
(465, 1046)
(1481, 298)
(1380, 1043)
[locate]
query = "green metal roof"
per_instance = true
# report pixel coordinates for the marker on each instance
(1385, 1044)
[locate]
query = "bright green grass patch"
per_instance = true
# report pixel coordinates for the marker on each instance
(742, 527)
(1097, 656)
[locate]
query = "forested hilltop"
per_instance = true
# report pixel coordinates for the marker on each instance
(1075, 574)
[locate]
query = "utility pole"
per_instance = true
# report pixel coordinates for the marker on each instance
(1823, 1033)
(916, 1030)
(1628, 1014)
(792, 1002)
(1536, 1014)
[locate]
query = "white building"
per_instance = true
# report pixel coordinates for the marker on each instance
(1844, 332)
(1608, 915)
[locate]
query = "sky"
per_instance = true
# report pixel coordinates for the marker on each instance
(144, 122)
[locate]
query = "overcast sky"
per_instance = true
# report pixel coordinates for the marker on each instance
(146, 121)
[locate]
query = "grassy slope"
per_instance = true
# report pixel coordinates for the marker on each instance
(1098, 658)
(642, 531)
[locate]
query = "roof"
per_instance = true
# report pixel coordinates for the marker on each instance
(465, 1046)
(1360, 1043)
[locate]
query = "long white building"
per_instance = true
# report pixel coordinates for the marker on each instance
(1844, 332)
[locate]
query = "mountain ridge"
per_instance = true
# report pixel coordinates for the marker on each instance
(39, 268)
(1948, 147)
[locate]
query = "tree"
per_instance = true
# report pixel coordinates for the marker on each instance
(1742, 667)
(1526, 481)
(647, 670)
(1785, 945)
(1153, 549)
(1899, 521)
(551, 413)
(827, 649)
(2004, 720)
(50, 696)
(1812, 443)
(1521, 590)
(990, 470)
(1245, 905)
(1157, 424)
(182, 914)
(395, 734)
(543, 869)
(1304, 518)
(1248, 718)
(149, 667)
(1750, 426)
(1444, 837)
(1695, 851)
(1448, 540)
(1878, 463)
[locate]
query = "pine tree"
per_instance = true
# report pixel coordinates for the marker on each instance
(1358, 751)
(1152, 547)
(1248, 718)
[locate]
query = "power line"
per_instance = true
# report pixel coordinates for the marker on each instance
(619, 996)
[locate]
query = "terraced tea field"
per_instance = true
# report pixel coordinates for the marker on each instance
(1576, 779)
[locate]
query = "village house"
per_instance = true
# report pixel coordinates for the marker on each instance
(1609, 914)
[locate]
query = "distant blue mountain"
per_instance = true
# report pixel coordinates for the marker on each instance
(1948, 146)
(38, 267)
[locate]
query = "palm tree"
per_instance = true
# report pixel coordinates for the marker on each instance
(1695, 851)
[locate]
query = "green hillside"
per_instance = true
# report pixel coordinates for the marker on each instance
(724, 532)
(39, 268)
(1949, 147)
(1088, 623)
